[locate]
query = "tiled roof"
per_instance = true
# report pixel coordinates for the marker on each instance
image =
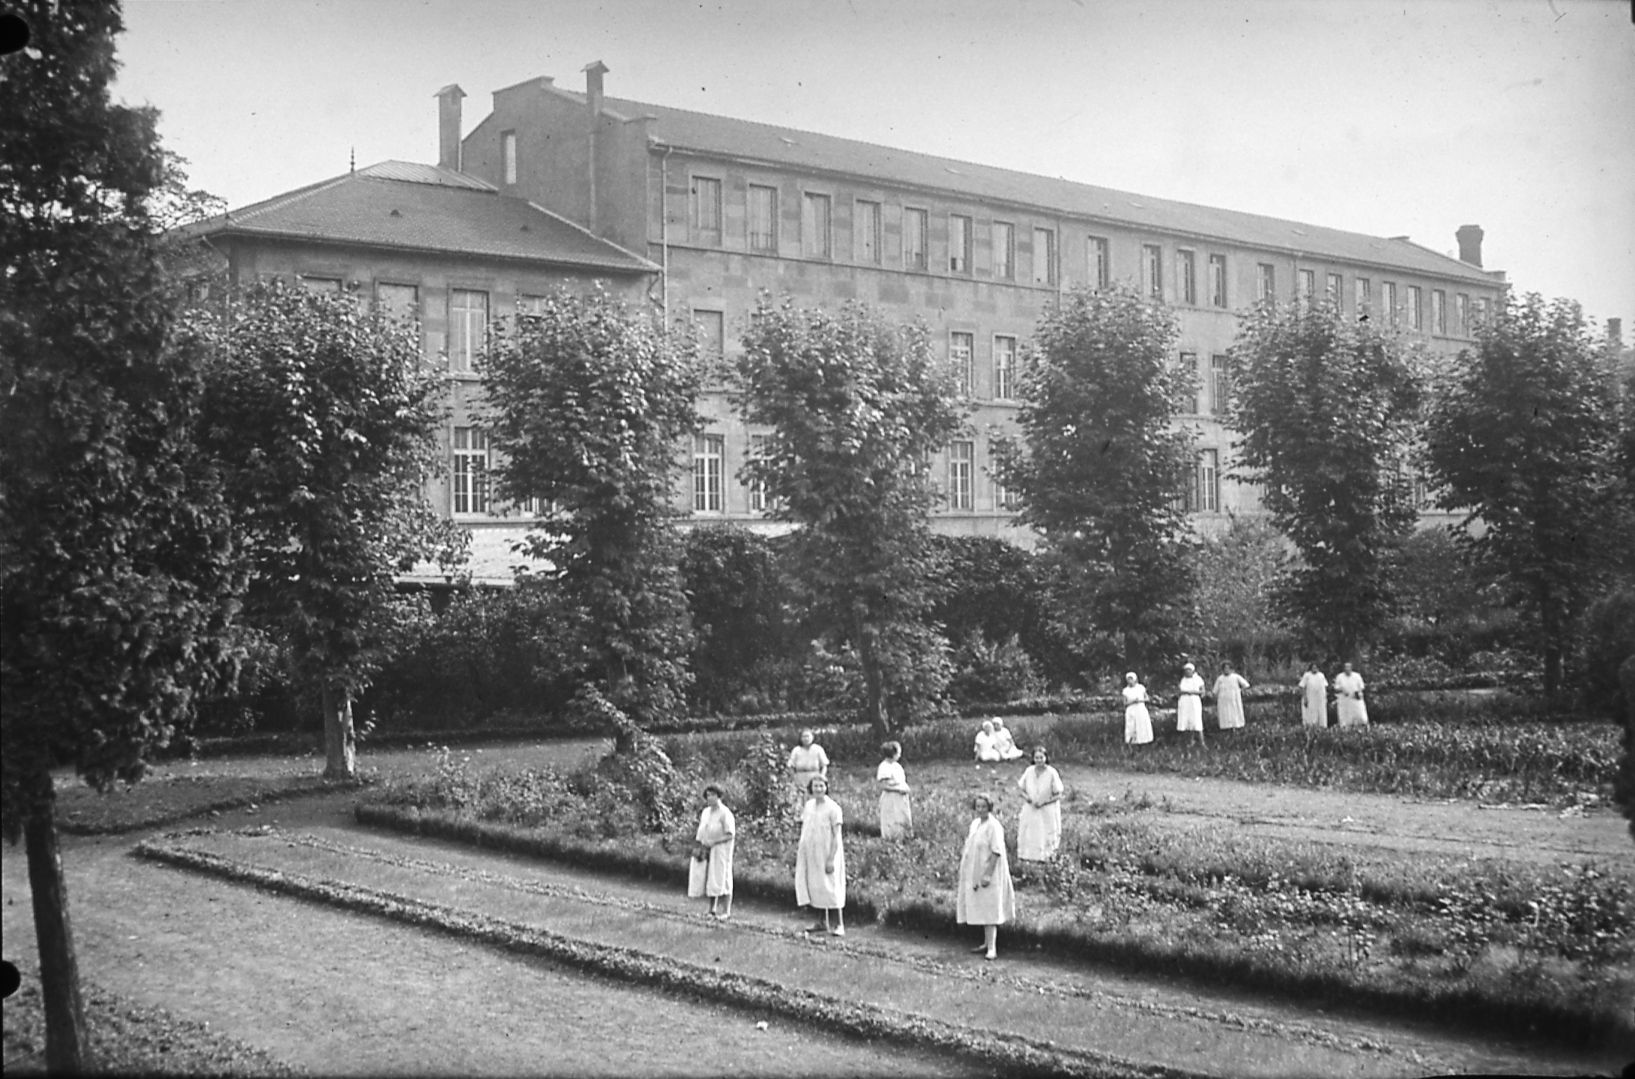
(803, 149)
(399, 204)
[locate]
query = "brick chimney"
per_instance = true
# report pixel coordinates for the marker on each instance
(593, 86)
(1470, 244)
(448, 125)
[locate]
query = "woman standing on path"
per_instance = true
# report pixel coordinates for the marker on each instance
(710, 874)
(820, 861)
(1189, 705)
(1039, 830)
(1314, 697)
(896, 815)
(1348, 698)
(1137, 723)
(807, 761)
(985, 895)
(1229, 689)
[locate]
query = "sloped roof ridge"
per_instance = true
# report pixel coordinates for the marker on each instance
(1438, 254)
(287, 198)
(589, 235)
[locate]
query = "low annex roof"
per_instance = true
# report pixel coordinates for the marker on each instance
(747, 139)
(401, 204)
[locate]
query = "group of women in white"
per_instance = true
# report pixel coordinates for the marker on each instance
(1349, 708)
(1228, 694)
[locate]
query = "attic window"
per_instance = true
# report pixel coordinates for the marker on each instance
(396, 213)
(1298, 232)
(786, 140)
(951, 169)
(1137, 205)
(525, 228)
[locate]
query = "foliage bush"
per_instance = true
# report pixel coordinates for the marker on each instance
(988, 671)
(1609, 640)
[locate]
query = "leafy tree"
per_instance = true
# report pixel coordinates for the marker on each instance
(1326, 408)
(1236, 572)
(587, 403)
(117, 572)
(856, 404)
(1101, 466)
(1525, 440)
(740, 612)
(327, 416)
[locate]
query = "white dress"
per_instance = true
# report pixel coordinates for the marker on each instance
(987, 747)
(974, 904)
(712, 876)
(1137, 723)
(896, 814)
(814, 887)
(1039, 829)
(1189, 705)
(1348, 687)
(805, 763)
(1314, 703)
(1005, 744)
(1229, 700)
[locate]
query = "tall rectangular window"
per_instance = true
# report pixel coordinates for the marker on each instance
(1439, 312)
(961, 466)
(959, 243)
(914, 240)
(508, 155)
(712, 335)
(398, 301)
(1003, 497)
(1208, 499)
(1362, 296)
(1004, 367)
(757, 489)
(469, 471)
(1481, 308)
(708, 454)
(1268, 281)
(1186, 268)
(1189, 365)
(866, 232)
(961, 346)
(1217, 280)
(1044, 257)
(1416, 309)
(467, 327)
(1152, 260)
(763, 219)
(1388, 301)
(1100, 265)
(1307, 289)
(1220, 387)
(1004, 250)
(814, 226)
(1335, 287)
(707, 210)
(1461, 314)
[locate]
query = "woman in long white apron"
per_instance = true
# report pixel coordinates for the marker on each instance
(820, 860)
(1229, 689)
(806, 761)
(985, 895)
(896, 814)
(710, 874)
(1313, 697)
(1039, 829)
(1137, 721)
(1189, 702)
(1348, 698)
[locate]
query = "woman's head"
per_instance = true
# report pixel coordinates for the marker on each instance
(1346, 668)
(712, 794)
(987, 726)
(982, 805)
(1187, 668)
(1129, 678)
(1311, 666)
(1041, 755)
(891, 750)
(817, 786)
(806, 737)
(1226, 668)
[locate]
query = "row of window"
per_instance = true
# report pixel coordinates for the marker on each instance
(1411, 312)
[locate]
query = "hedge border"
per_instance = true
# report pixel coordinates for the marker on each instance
(1468, 1007)
(1015, 1054)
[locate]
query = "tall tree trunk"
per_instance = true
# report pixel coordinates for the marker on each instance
(59, 970)
(340, 740)
(874, 689)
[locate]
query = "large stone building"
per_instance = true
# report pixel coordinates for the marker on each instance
(727, 208)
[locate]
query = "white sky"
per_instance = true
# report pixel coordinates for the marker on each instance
(1390, 118)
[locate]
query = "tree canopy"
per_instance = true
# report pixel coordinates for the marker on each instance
(1099, 468)
(1525, 440)
(856, 405)
(1327, 409)
(587, 406)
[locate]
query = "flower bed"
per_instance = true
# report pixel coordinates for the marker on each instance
(1500, 944)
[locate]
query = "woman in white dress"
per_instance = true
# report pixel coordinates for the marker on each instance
(1189, 703)
(1314, 697)
(1003, 741)
(806, 762)
(1229, 689)
(1137, 722)
(1348, 698)
(710, 875)
(986, 746)
(985, 895)
(1039, 830)
(820, 860)
(896, 814)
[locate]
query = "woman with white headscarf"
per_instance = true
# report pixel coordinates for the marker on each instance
(1137, 721)
(1189, 704)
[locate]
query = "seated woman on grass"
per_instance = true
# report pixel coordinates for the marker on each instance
(987, 746)
(1003, 741)
(710, 873)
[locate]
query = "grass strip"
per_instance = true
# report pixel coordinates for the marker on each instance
(109, 815)
(1012, 1054)
(1196, 960)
